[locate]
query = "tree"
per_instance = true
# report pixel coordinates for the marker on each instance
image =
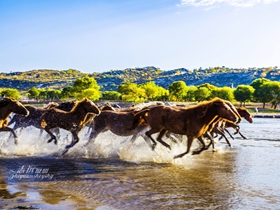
(202, 94)
(11, 92)
(151, 90)
(90, 93)
(131, 92)
(111, 95)
(67, 92)
(273, 89)
(190, 96)
(84, 87)
(33, 93)
(85, 83)
(225, 93)
(177, 90)
(258, 93)
(163, 94)
(52, 94)
(243, 93)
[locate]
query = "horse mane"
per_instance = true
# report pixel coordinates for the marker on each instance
(242, 109)
(206, 105)
(77, 103)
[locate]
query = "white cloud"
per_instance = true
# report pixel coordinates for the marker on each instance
(235, 3)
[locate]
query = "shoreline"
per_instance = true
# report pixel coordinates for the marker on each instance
(266, 115)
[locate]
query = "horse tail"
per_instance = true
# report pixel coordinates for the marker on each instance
(139, 117)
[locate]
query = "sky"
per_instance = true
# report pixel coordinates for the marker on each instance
(103, 35)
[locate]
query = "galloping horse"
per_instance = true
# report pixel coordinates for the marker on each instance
(123, 122)
(72, 121)
(8, 106)
(35, 113)
(221, 125)
(193, 121)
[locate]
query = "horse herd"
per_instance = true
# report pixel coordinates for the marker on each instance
(201, 122)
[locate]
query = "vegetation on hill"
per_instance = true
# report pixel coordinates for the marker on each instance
(147, 84)
(110, 80)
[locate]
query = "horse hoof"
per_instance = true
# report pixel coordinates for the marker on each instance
(63, 153)
(177, 156)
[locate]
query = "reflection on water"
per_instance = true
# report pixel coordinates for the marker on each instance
(243, 177)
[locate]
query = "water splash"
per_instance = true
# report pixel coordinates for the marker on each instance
(106, 145)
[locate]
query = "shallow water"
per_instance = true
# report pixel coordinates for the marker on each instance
(112, 174)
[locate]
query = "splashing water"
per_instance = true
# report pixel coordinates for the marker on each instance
(106, 145)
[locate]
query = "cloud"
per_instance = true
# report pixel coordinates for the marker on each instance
(235, 3)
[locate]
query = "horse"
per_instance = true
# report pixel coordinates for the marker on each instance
(72, 121)
(192, 121)
(221, 125)
(35, 113)
(121, 122)
(8, 106)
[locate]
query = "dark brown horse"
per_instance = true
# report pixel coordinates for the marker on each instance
(193, 121)
(220, 126)
(8, 106)
(122, 122)
(35, 113)
(72, 121)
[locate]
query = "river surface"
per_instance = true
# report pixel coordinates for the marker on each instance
(114, 174)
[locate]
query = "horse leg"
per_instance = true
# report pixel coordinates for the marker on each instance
(210, 137)
(74, 141)
(93, 135)
(57, 133)
(152, 145)
(52, 136)
(190, 140)
(12, 131)
(242, 135)
(172, 137)
(229, 133)
(195, 152)
(149, 134)
(161, 134)
(223, 134)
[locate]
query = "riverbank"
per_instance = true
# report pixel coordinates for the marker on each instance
(266, 115)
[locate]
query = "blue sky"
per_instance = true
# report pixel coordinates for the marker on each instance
(97, 36)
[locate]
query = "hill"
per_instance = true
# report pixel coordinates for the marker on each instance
(110, 80)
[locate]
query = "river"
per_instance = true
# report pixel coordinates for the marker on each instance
(113, 174)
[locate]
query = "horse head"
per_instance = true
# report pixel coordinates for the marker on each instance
(107, 106)
(245, 113)
(88, 106)
(15, 106)
(226, 110)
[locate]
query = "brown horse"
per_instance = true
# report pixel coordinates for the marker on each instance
(220, 126)
(193, 121)
(122, 122)
(35, 113)
(72, 121)
(8, 106)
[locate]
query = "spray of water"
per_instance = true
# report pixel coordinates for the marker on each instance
(106, 145)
